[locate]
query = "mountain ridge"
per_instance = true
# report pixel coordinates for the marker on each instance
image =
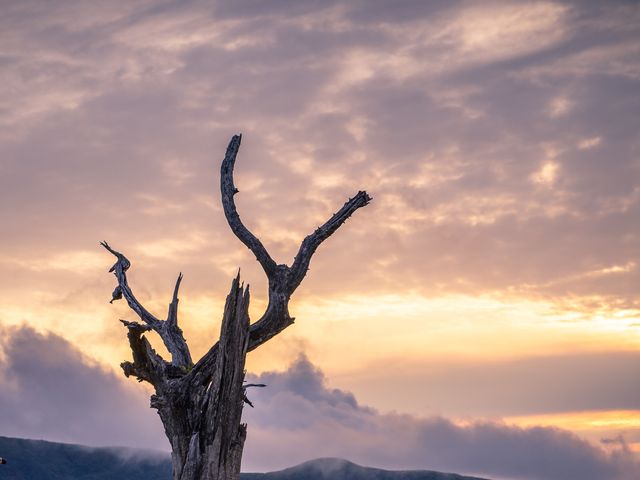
(43, 460)
(332, 468)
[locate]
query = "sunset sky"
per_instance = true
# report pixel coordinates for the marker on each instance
(481, 315)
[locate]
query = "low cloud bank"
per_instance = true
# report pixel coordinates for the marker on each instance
(51, 391)
(298, 417)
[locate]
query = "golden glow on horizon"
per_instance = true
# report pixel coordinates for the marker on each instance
(500, 249)
(622, 419)
(450, 326)
(592, 425)
(481, 327)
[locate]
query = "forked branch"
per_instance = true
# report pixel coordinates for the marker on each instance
(298, 270)
(201, 405)
(167, 329)
(283, 280)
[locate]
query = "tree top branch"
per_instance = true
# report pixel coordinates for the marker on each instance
(313, 241)
(228, 191)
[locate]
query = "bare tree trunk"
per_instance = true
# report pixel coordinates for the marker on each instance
(200, 404)
(203, 423)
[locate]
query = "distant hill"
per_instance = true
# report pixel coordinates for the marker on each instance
(338, 469)
(41, 460)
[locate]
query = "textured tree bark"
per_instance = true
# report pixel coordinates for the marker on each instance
(201, 404)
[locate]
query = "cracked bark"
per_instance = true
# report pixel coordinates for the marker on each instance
(200, 404)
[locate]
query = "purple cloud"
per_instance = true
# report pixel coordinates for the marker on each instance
(128, 109)
(53, 392)
(297, 417)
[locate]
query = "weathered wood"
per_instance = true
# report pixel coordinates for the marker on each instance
(167, 329)
(228, 190)
(201, 405)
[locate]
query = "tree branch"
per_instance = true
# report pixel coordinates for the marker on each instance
(201, 405)
(228, 190)
(123, 290)
(168, 330)
(283, 280)
(313, 241)
(237, 301)
(172, 315)
(147, 365)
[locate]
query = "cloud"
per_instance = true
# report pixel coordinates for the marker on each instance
(51, 391)
(307, 419)
(548, 384)
(444, 120)
(472, 126)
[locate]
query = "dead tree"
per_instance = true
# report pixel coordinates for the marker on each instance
(200, 404)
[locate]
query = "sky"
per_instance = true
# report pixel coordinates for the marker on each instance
(483, 307)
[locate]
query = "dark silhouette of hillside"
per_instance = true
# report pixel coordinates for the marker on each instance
(339, 469)
(42, 460)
